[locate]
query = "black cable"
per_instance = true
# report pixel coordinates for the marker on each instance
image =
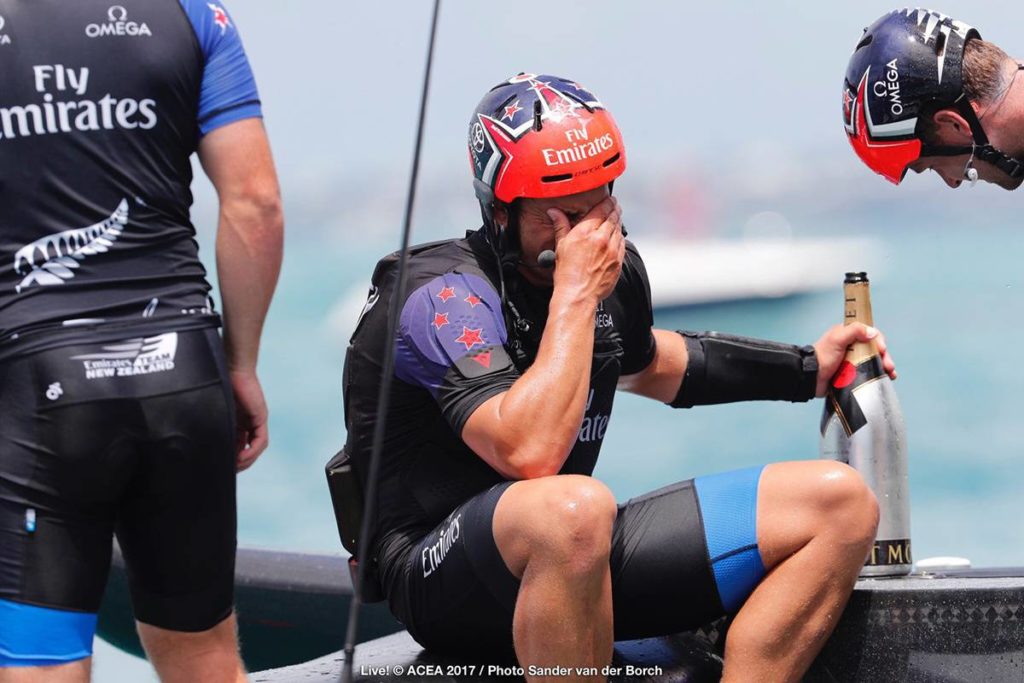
(369, 506)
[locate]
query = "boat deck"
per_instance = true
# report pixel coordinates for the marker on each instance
(964, 625)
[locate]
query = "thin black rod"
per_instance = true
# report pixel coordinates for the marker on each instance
(384, 395)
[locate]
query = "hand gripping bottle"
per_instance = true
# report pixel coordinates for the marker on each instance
(862, 425)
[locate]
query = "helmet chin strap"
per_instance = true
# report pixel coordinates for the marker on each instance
(980, 148)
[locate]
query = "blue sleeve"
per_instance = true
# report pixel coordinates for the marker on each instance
(450, 342)
(228, 92)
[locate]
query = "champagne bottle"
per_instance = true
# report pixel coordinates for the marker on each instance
(862, 425)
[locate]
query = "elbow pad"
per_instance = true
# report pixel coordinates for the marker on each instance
(724, 368)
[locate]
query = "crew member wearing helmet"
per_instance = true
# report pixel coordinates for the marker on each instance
(490, 532)
(924, 91)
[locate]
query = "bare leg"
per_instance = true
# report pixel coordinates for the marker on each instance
(816, 523)
(554, 533)
(73, 672)
(181, 657)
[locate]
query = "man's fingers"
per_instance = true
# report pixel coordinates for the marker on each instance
(888, 364)
(861, 332)
(560, 222)
(599, 213)
(258, 439)
(848, 334)
(612, 225)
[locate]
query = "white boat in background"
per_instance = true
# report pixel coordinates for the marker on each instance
(693, 273)
(713, 271)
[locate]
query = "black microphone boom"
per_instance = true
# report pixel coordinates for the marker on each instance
(387, 371)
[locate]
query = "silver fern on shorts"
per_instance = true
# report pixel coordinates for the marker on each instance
(54, 258)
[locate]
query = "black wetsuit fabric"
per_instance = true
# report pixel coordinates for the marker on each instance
(95, 441)
(458, 344)
(453, 353)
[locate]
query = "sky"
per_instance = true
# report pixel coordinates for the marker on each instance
(716, 101)
(708, 83)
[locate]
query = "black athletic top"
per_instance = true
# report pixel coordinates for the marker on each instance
(101, 106)
(454, 351)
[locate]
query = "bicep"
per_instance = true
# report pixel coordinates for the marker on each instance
(663, 376)
(451, 344)
(483, 433)
(236, 157)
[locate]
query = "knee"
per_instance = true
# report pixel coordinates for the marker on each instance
(849, 506)
(574, 519)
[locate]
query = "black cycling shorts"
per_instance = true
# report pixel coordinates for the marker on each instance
(681, 557)
(134, 438)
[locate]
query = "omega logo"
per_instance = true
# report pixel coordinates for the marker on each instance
(477, 137)
(117, 25)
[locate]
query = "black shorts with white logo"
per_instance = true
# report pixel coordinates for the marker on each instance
(134, 438)
(454, 593)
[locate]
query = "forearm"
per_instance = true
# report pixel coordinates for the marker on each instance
(249, 250)
(662, 378)
(724, 368)
(529, 430)
(692, 369)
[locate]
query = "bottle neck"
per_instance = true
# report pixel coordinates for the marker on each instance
(857, 309)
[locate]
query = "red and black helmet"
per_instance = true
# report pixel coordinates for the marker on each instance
(907, 60)
(541, 136)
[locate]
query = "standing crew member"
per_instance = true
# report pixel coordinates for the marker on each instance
(490, 532)
(924, 91)
(121, 410)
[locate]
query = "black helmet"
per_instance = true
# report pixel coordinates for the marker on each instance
(909, 63)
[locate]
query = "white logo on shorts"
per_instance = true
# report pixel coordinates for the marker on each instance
(434, 554)
(138, 356)
(54, 391)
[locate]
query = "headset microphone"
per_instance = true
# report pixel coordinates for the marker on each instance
(546, 259)
(971, 173)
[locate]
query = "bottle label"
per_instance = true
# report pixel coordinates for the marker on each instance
(841, 400)
(890, 552)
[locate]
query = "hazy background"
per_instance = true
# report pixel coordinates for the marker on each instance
(730, 112)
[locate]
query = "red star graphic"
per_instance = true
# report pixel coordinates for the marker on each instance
(446, 293)
(440, 320)
(511, 110)
(483, 359)
(552, 97)
(220, 17)
(472, 300)
(470, 337)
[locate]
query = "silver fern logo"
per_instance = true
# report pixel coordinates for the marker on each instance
(136, 356)
(53, 259)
